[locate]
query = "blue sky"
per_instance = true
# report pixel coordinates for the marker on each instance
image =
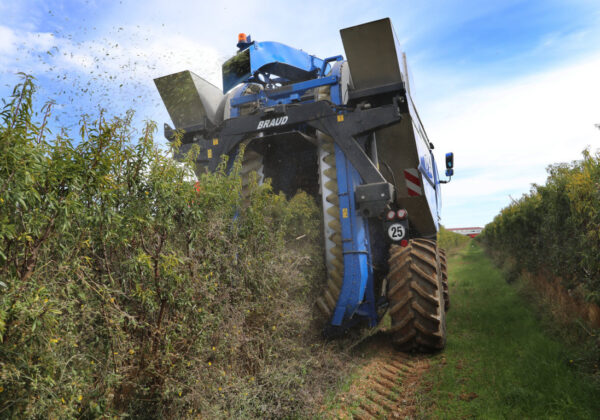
(509, 86)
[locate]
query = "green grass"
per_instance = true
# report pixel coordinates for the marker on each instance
(499, 357)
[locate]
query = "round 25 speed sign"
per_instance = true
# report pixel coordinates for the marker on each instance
(396, 231)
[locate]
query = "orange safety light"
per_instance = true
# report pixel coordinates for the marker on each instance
(242, 37)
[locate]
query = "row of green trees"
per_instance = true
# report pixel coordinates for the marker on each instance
(125, 288)
(555, 229)
(451, 241)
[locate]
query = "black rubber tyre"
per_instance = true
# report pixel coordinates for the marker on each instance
(444, 268)
(415, 295)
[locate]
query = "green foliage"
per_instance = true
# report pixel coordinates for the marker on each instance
(500, 362)
(451, 241)
(127, 289)
(556, 227)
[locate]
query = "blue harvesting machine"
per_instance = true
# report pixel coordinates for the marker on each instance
(347, 132)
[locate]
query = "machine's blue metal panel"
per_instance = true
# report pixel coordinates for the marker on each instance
(325, 66)
(428, 174)
(438, 192)
(358, 272)
(274, 58)
(426, 167)
(357, 294)
(263, 53)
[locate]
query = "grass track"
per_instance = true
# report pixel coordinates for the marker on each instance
(499, 363)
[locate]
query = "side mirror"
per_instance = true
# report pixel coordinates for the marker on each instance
(449, 167)
(449, 164)
(450, 160)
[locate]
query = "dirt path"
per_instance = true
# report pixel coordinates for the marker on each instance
(385, 387)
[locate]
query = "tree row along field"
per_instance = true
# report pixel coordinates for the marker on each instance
(553, 234)
(126, 289)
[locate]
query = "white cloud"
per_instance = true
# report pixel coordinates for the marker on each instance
(7, 40)
(504, 136)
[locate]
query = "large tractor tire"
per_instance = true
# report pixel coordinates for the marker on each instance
(444, 268)
(416, 299)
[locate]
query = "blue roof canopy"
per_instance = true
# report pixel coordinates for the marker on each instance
(270, 57)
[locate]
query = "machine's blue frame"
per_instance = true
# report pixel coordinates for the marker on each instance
(268, 54)
(356, 300)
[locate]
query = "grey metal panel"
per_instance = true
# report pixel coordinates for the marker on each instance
(397, 151)
(372, 54)
(189, 98)
(373, 57)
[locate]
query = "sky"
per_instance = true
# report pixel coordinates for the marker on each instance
(509, 87)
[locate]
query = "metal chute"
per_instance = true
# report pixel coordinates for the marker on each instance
(373, 57)
(372, 54)
(189, 99)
